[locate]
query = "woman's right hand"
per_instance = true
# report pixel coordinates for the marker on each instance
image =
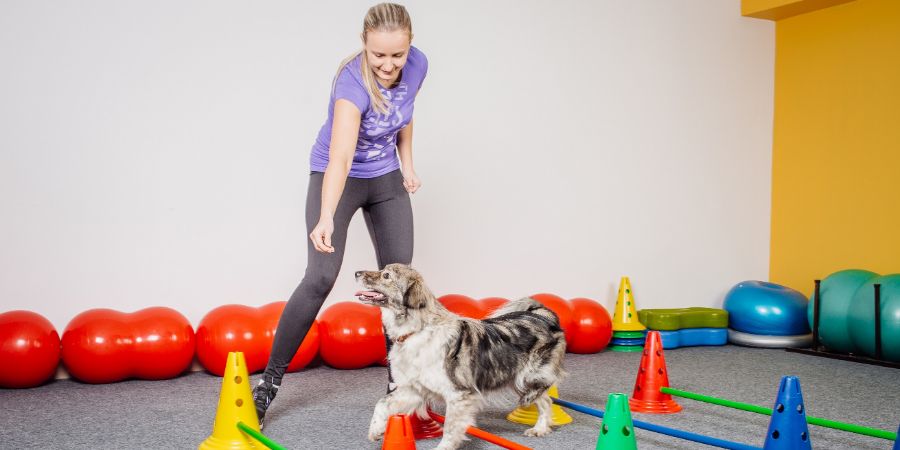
(321, 235)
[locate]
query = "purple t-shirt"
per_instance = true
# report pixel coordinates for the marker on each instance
(376, 147)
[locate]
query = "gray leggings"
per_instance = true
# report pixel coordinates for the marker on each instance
(388, 214)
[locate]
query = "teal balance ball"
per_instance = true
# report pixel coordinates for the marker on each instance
(837, 292)
(862, 317)
(758, 307)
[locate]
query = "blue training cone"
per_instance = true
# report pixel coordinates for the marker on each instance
(787, 429)
(897, 441)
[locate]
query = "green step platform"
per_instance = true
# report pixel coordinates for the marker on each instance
(678, 318)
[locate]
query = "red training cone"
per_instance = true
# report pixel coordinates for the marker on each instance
(425, 428)
(652, 375)
(399, 435)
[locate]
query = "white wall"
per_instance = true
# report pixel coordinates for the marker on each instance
(156, 153)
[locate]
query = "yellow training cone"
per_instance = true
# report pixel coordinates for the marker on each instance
(625, 317)
(235, 405)
(528, 414)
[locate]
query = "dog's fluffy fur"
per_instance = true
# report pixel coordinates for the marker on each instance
(438, 355)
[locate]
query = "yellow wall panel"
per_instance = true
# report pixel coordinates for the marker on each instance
(836, 143)
(780, 9)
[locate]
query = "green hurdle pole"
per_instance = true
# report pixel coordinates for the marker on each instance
(259, 437)
(858, 429)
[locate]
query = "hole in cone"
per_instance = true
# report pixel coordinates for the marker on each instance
(239, 402)
(803, 436)
(799, 409)
(625, 431)
(775, 434)
(605, 429)
(779, 408)
(238, 379)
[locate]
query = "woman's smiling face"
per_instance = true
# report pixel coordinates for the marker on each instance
(386, 53)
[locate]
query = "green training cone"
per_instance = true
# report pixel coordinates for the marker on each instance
(617, 430)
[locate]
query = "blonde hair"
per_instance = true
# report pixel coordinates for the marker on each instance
(381, 17)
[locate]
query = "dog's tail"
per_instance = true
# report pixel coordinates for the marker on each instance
(526, 304)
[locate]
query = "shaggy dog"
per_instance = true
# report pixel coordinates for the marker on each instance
(438, 355)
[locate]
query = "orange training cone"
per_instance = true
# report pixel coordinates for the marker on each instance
(652, 375)
(235, 405)
(625, 317)
(399, 434)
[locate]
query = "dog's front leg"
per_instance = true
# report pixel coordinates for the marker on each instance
(402, 401)
(379, 419)
(461, 414)
(542, 426)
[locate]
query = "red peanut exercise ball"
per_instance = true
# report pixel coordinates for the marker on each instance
(491, 304)
(233, 328)
(351, 335)
(462, 305)
(591, 326)
(562, 308)
(104, 345)
(96, 346)
(29, 349)
(163, 343)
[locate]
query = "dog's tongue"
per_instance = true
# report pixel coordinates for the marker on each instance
(367, 294)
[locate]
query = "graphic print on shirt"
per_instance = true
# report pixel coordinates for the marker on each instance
(376, 123)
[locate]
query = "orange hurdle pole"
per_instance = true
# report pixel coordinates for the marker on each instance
(484, 435)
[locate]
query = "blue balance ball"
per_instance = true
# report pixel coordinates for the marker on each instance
(758, 307)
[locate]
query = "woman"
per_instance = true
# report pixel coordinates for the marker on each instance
(354, 164)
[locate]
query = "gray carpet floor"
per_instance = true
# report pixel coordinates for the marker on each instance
(324, 408)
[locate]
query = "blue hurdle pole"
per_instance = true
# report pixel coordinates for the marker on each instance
(715, 442)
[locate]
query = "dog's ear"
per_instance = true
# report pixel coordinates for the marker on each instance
(416, 296)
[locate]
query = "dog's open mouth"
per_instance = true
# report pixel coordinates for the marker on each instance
(372, 297)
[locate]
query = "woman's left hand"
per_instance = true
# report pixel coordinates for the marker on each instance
(411, 181)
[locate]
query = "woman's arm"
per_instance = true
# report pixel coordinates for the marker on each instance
(404, 148)
(344, 133)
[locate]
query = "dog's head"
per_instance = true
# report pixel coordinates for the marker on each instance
(398, 287)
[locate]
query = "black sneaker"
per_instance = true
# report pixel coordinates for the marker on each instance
(263, 394)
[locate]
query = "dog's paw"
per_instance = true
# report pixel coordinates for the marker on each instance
(537, 432)
(375, 436)
(376, 431)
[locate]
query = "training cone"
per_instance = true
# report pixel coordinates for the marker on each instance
(897, 441)
(528, 415)
(625, 317)
(399, 434)
(652, 375)
(617, 430)
(235, 405)
(425, 428)
(787, 427)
